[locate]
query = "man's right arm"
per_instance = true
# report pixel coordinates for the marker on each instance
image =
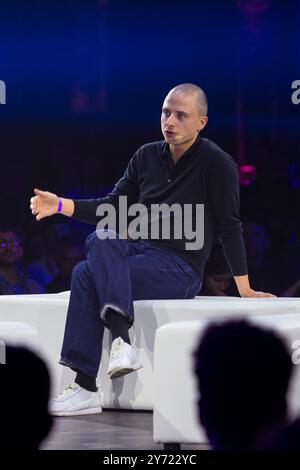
(44, 203)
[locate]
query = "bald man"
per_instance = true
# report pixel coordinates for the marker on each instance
(180, 174)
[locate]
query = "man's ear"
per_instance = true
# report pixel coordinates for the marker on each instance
(203, 122)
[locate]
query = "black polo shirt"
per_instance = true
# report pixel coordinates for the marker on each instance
(205, 174)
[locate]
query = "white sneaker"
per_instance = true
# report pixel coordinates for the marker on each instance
(75, 400)
(123, 359)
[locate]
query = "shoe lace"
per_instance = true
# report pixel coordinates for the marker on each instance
(67, 391)
(115, 349)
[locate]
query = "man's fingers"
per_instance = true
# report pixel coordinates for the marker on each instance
(254, 294)
(39, 192)
(265, 294)
(34, 204)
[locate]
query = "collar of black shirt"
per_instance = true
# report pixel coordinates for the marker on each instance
(165, 152)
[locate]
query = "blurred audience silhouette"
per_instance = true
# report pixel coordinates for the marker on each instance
(24, 395)
(243, 372)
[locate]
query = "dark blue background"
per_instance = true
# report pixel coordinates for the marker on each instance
(121, 58)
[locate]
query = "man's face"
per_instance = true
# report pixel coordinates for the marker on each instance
(11, 250)
(180, 119)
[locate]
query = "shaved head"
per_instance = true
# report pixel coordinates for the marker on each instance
(196, 91)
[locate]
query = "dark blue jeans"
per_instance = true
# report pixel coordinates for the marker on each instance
(115, 273)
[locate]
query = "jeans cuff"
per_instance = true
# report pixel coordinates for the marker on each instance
(66, 363)
(125, 314)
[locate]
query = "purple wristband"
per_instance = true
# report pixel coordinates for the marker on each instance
(59, 208)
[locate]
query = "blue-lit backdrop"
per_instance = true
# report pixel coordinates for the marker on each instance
(86, 79)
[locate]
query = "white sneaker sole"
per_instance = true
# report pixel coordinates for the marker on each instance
(86, 411)
(120, 371)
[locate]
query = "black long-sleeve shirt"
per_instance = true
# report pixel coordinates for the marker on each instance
(205, 174)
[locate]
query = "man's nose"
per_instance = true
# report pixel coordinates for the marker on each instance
(171, 119)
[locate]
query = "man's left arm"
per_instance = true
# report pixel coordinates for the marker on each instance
(245, 290)
(224, 197)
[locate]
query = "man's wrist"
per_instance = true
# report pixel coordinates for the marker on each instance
(245, 292)
(243, 285)
(67, 207)
(59, 206)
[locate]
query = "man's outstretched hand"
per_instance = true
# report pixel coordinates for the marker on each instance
(43, 204)
(245, 290)
(253, 293)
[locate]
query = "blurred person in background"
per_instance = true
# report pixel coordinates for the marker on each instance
(13, 277)
(263, 270)
(218, 279)
(44, 269)
(68, 252)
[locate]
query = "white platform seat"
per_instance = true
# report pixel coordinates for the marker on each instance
(47, 314)
(175, 416)
(13, 333)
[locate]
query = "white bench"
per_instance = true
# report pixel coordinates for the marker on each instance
(175, 413)
(14, 333)
(47, 314)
